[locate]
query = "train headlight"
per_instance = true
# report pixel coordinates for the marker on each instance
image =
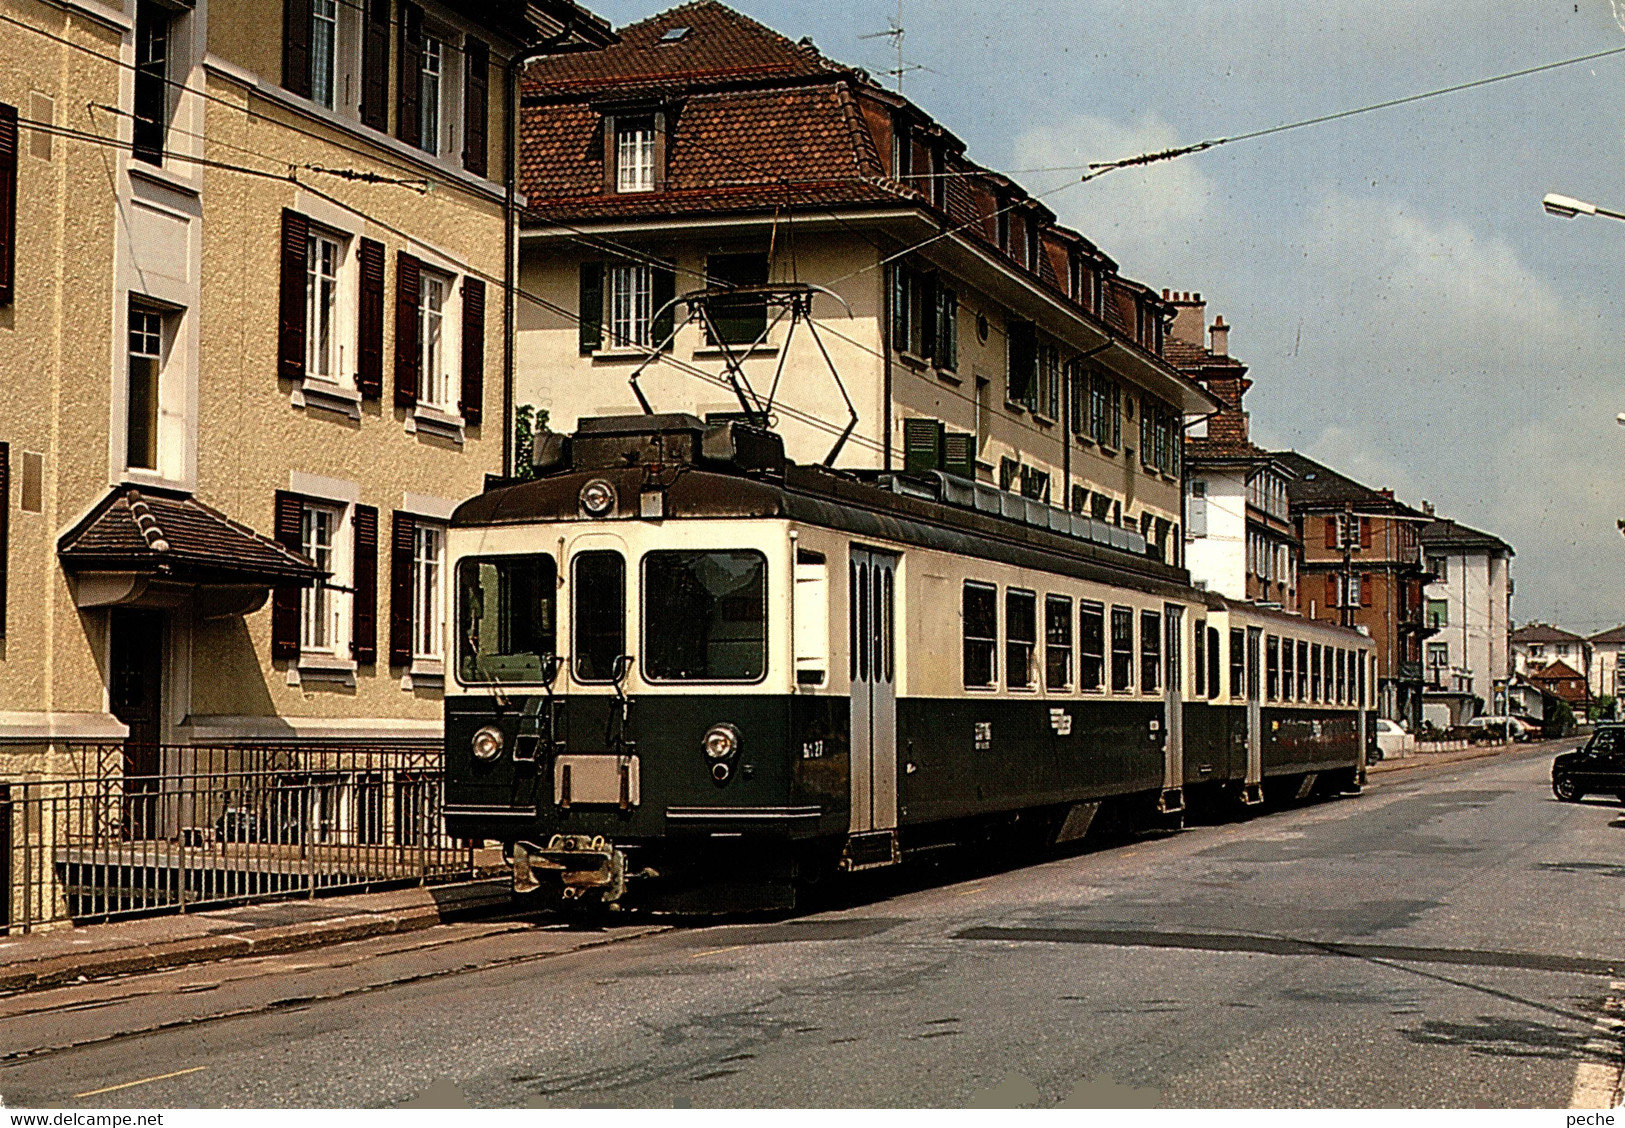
(721, 742)
(597, 497)
(487, 743)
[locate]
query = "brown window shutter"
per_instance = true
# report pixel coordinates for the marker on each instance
(290, 511)
(473, 350)
(5, 527)
(407, 123)
(1331, 530)
(1365, 532)
(1365, 589)
(370, 320)
(291, 322)
(375, 65)
(476, 104)
(296, 18)
(401, 549)
(8, 203)
(1331, 589)
(364, 608)
(408, 354)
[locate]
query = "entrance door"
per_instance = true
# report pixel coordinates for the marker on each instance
(1173, 707)
(874, 689)
(135, 696)
(1255, 718)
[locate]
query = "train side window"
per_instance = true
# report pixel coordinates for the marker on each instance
(1272, 667)
(1342, 677)
(1150, 651)
(1122, 649)
(1199, 658)
(1091, 645)
(705, 616)
(1238, 665)
(1287, 680)
(860, 641)
(1214, 668)
(1303, 671)
(884, 626)
(505, 618)
(980, 616)
(1359, 699)
(811, 617)
(1020, 637)
(1314, 674)
(598, 614)
(1326, 672)
(1057, 642)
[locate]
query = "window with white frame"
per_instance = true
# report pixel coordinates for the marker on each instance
(428, 593)
(324, 255)
(433, 290)
(635, 154)
(324, 37)
(630, 295)
(320, 620)
(146, 360)
(430, 67)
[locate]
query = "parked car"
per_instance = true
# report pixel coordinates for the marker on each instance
(1599, 767)
(1519, 729)
(1393, 740)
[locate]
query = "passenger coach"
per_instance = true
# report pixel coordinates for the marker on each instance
(691, 675)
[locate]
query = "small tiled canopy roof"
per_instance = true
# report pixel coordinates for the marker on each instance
(1544, 632)
(176, 536)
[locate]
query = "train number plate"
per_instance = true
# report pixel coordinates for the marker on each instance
(596, 780)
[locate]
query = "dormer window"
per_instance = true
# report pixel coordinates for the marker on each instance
(635, 154)
(1033, 244)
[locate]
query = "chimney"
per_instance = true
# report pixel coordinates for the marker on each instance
(1427, 507)
(1387, 493)
(1221, 337)
(1190, 315)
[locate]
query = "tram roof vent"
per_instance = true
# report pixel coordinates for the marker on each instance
(619, 441)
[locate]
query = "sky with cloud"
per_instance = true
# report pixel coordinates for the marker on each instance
(1409, 313)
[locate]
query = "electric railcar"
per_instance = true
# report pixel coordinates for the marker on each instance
(690, 675)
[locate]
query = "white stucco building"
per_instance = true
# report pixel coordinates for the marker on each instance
(1466, 659)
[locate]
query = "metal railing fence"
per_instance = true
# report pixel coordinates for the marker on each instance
(219, 825)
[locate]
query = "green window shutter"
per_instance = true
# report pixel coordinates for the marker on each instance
(922, 445)
(663, 288)
(591, 309)
(959, 454)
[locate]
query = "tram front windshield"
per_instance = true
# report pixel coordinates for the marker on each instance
(705, 616)
(506, 611)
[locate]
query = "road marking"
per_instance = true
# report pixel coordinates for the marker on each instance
(1597, 1083)
(716, 951)
(143, 1081)
(968, 892)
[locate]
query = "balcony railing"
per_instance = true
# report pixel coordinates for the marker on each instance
(220, 825)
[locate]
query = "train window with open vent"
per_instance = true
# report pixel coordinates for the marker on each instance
(705, 616)
(1122, 649)
(1238, 665)
(1342, 676)
(1314, 674)
(1287, 680)
(1150, 651)
(1303, 671)
(1057, 642)
(505, 614)
(1020, 637)
(598, 614)
(811, 613)
(1214, 664)
(1091, 645)
(980, 620)
(1272, 667)
(1199, 658)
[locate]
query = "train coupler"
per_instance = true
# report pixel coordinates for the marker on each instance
(576, 867)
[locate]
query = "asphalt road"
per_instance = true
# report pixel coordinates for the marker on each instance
(1446, 939)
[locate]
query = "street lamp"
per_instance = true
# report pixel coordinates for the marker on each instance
(1567, 207)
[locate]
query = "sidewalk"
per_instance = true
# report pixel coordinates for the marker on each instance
(1471, 752)
(67, 955)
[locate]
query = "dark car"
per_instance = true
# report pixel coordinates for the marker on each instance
(1598, 767)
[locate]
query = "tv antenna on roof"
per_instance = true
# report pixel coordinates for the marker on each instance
(896, 34)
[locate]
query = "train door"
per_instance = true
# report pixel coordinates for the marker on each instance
(874, 690)
(1253, 791)
(1173, 699)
